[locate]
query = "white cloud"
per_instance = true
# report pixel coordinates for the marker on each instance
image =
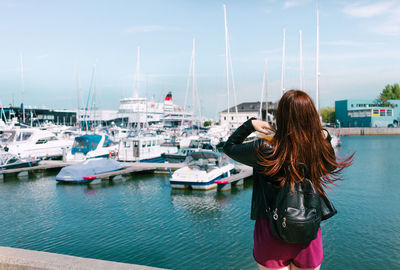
(363, 10)
(387, 14)
(390, 25)
(144, 29)
(294, 3)
(350, 43)
(361, 55)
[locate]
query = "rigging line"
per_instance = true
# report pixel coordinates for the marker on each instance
(87, 102)
(262, 95)
(187, 87)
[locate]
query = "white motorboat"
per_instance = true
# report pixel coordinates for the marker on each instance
(195, 144)
(11, 161)
(92, 146)
(33, 143)
(202, 169)
(144, 148)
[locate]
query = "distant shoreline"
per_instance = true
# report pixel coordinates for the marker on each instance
(357, 131)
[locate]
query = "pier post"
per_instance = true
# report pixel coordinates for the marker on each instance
(1, 177)
(239, 182)
(22, 174)
(224, 187)
(116, 178)
(96, 181)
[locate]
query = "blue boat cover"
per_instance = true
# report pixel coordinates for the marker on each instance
(90, 167)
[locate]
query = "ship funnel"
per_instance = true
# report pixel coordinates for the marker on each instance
(168, 97)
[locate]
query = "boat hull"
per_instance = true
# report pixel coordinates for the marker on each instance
(19, 165)
(195, 185)
(187, 178)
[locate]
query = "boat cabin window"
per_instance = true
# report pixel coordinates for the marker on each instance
(127, 144)
(135, 143)
(108, 142)
(6, 137)
(93, 145)
(23, 136)
(149, 143)
(12, 160)
(42, 141)
(194, 144)
(82, 143)
(143, 144)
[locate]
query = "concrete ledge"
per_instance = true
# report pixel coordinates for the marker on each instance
(365, 131)
(22, 259)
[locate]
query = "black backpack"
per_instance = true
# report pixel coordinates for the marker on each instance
(295, 216)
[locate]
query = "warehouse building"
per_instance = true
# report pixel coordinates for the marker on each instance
(364, 113)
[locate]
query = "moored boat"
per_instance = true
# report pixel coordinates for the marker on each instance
(92, 146)
(195, 145)
(86, 171)
(33, 143)
(144, 148)
(202, 169)
(11, 161)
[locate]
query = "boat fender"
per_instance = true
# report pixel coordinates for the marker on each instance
(221, 181)
(112, 154)
(91, 177)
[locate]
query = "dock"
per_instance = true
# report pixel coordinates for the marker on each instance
(23, 259)
(49, 165)
(235, 179)
(130, 167)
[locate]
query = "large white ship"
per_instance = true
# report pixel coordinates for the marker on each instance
(140, 111)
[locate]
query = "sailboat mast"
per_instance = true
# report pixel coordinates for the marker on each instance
(283, 62)
(317, 66)
(301, 59)
(94, 97)
(188, 83)
(78, 90)
(194, 78)
(266, 89)
(137, 76)
(226, 59)
(22, 85)
(262, 96)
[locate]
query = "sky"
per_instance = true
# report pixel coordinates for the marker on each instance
(62, 40)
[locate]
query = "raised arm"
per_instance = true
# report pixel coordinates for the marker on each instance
(243, 152)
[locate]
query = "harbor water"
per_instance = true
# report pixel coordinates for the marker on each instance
(141, 220)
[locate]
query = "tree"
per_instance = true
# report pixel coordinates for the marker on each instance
(328, 115)
(389, 92)
(207, 123)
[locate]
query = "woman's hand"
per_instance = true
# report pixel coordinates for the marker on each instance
(261, 126)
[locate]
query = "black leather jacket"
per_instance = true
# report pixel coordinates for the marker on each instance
(246, 153)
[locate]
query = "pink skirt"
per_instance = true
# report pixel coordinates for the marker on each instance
(272, 252)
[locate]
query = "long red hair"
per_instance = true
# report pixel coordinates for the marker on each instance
(299, 146)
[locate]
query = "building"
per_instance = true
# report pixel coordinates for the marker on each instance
(245, 111)
(39, 116)
(364, 113)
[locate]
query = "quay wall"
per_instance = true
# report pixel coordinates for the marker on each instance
(365, 131)
(23, 259)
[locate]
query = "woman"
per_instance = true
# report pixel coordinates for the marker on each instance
(298, 139)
